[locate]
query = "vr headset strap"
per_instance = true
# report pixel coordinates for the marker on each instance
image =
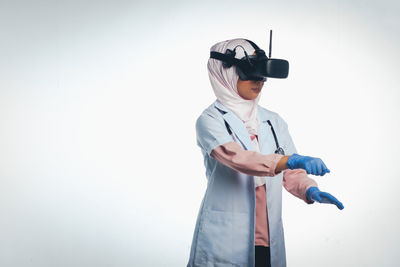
(223, 57)
(253, 45)
(229, 58)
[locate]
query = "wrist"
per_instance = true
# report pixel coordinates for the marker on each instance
(291, 162)
(282, 164)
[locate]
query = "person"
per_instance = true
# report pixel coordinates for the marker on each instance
(239, 221)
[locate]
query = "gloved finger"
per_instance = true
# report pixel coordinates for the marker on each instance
(339, 205)
(320, 169)
(324, 168)
(307, 168)
(314, 168)
(328, 198)
(316, 197)
(336, 202)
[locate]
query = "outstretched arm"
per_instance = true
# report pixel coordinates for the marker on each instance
(231, 154)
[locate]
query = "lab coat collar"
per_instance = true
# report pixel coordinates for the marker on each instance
(239, 128)
(236, 125)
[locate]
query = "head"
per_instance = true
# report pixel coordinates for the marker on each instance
(226, 82)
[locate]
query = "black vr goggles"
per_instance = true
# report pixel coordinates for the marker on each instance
(254, 67)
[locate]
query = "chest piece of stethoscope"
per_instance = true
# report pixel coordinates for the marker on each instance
(278, 150)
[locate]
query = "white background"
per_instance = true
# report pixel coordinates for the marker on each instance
(98, 100)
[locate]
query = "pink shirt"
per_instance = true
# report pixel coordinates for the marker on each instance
(253, 163)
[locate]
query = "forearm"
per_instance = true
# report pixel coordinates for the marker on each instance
(297, 182)
(249, 162)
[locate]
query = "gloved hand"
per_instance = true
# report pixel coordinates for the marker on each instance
(313, 194)
(312, 165)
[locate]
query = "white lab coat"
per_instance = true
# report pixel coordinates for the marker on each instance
(224, 231)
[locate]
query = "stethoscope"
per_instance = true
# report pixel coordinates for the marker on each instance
(279, 150)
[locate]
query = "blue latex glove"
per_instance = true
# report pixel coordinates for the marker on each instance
(312, 165)
(313, 194)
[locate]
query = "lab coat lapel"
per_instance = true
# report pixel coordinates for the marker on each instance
(236, 125)
(265, 136)
(267, 145)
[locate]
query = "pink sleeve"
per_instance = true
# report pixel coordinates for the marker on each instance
(231, 154)
(297, 182)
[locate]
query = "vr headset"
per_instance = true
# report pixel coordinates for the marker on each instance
(254, 67)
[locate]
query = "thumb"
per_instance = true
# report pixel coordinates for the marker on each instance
(316, 197)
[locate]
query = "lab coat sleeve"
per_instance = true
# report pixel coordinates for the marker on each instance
(295, 181)
(248, 162)
(211, 132)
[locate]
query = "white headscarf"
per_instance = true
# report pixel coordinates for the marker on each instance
(224, 83)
